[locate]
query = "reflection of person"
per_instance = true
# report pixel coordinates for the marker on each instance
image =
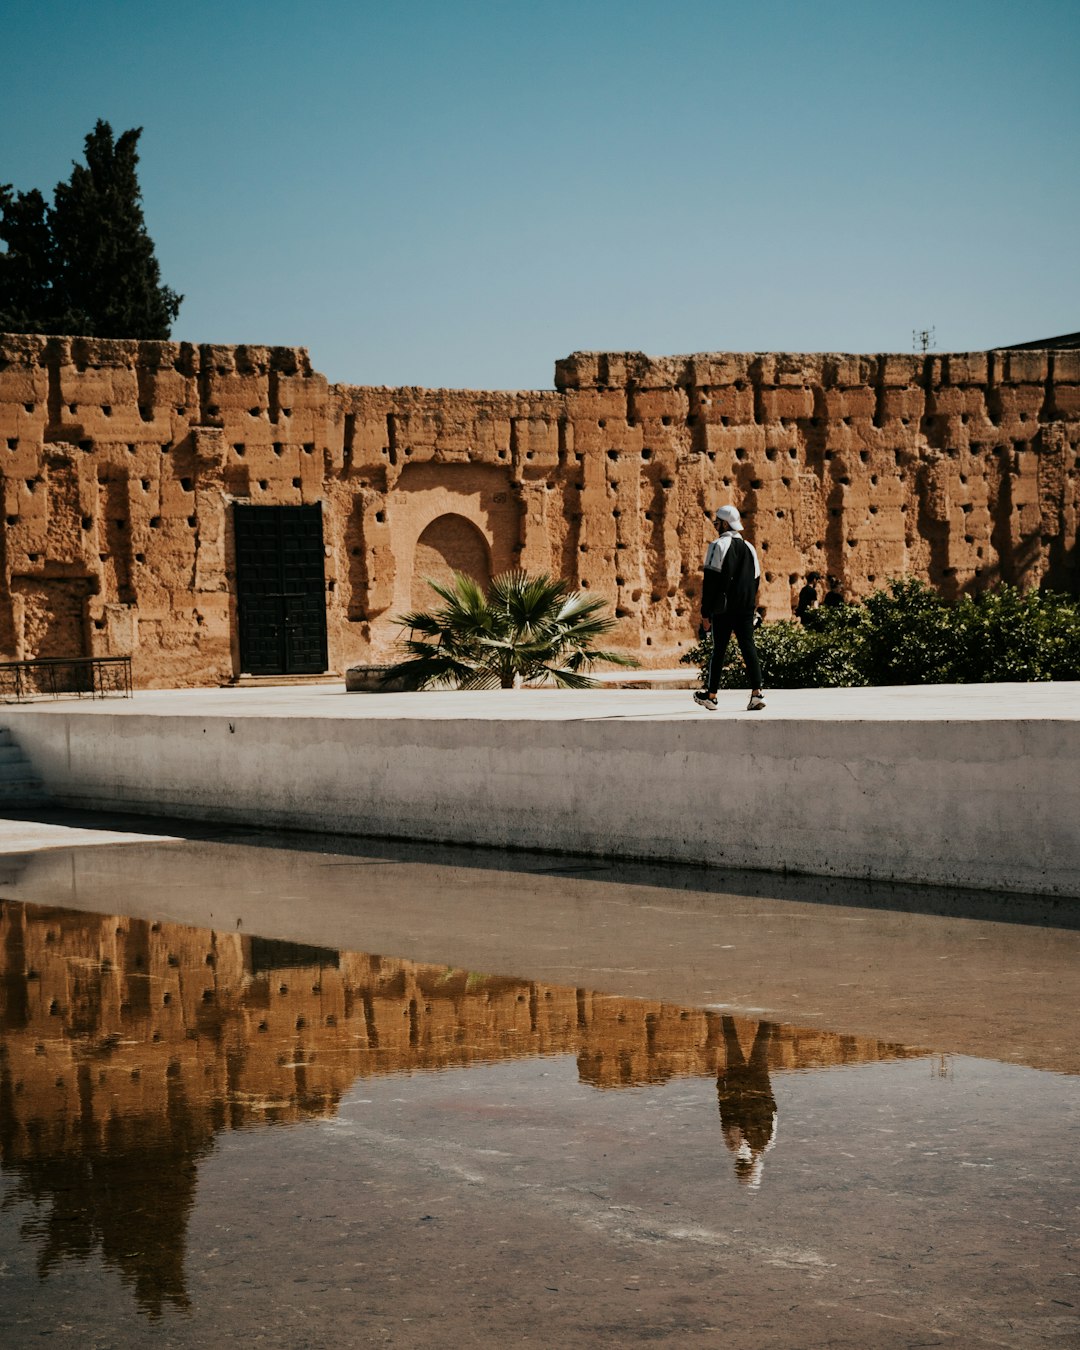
(747, 1105)
(728, 602)
(808, 596)
(834, 595)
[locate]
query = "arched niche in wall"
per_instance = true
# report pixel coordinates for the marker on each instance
(450, 544)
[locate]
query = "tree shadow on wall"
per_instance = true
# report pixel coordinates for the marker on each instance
(1063, 567)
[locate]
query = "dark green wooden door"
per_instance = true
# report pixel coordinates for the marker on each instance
(281, 589)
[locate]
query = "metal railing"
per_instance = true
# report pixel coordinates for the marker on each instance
(59, 676)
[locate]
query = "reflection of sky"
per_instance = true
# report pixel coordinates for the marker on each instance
(484, 1181)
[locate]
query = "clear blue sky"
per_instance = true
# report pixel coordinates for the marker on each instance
(440, 193)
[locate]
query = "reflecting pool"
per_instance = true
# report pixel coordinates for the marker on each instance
(206, 1132)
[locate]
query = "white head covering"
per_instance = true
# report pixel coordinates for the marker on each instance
(730, 516)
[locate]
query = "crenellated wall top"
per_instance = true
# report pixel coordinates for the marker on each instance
(581, 370)
(830, 370)
(188, 358)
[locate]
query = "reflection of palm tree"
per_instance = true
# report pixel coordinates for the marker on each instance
(747, 1105)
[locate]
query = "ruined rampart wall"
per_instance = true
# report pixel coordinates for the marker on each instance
(120, 462)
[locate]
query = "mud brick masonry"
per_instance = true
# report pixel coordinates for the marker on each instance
(126, 466)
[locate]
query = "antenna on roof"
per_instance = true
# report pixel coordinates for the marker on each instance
(923, 339)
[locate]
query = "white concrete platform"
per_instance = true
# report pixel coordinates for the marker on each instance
(33, 836)
(975, 785)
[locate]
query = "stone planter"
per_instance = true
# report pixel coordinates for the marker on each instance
(368, 680)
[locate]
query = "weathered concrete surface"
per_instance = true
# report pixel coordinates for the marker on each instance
(970, 786)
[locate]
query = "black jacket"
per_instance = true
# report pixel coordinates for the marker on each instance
(733, 588)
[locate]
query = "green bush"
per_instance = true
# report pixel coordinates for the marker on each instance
(1009, 635)
(907, 634)
(907, 639)
(791, 656)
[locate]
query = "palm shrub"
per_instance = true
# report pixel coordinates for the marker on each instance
(522, 630)
(907, 634)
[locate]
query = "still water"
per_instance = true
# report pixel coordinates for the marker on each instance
(209, 1133)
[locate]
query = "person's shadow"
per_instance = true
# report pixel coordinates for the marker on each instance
(747, 1105)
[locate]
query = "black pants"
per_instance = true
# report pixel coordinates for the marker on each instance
(742, 625)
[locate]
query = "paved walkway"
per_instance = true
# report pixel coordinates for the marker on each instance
(918, 703)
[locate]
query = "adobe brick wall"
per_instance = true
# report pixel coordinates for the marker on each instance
(120, 461)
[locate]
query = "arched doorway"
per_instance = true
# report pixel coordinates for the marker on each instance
(449, 544)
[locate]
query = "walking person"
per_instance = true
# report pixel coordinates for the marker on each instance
(808, 597)
(728, 601)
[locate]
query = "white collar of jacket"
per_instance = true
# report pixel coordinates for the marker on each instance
(714, 556)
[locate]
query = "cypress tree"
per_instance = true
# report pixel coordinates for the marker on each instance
(26, 269)
(85, 265)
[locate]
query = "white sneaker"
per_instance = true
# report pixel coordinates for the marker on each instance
(756, 703)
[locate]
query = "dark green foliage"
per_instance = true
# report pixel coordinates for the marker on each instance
(27, 268)
(1009, 635)
(791, 656)
(906, 634)
(907, 638)
(523, 630)
(84, 265)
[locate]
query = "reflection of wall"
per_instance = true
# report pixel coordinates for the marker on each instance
(163, 1011)
(127, 1046)
(119, 461)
